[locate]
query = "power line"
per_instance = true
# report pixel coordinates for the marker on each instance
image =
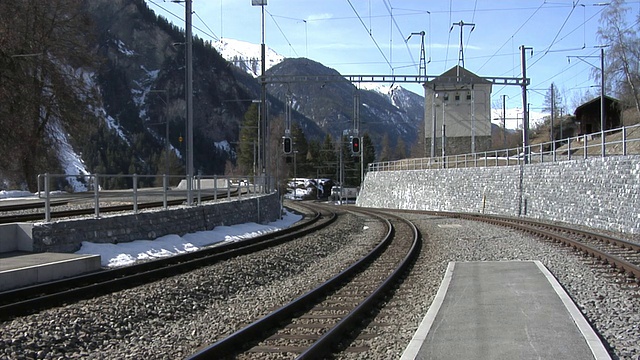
(446, 58)
(283, 34)
(213, 36)
(473, 18)
(370, 34)
(514, 34)
(207, 26)
(403, 37)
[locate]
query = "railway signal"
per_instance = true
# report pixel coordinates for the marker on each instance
(286, 145)
(355, 145)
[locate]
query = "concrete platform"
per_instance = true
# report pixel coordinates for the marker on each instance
(18, 269)
(503, 310)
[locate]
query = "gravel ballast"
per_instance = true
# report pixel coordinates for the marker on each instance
(170, 319)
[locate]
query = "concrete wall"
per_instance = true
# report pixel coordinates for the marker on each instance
(67, 235)
(16, 237)
(602, 193)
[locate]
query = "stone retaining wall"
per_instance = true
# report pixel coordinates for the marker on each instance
(602, 193)
(67, 235)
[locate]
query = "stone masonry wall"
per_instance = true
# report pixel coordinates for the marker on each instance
(602, 193)
(67, 236)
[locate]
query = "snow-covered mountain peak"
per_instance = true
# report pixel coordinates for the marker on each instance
(246, 55)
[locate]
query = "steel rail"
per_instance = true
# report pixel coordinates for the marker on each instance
(255, 331)
(25, 300)
(553, 232)
(525, 226)
(322, 346)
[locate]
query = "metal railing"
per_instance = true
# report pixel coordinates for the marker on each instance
(617, 142)
(92, 190)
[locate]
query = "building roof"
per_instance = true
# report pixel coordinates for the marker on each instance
(457, 76)
(594, 101)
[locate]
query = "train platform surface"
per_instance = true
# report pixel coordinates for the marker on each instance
(503, 310)
(18, 269)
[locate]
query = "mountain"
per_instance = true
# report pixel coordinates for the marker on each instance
(247, 56)
(120, 90)
(331, 104)
(386, 109)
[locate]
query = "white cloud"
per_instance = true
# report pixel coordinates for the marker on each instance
(319, 17)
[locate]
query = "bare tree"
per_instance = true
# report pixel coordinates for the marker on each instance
(623, 52)
(43, 47)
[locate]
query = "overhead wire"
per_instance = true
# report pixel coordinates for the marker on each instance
(513, 35)
(211, 35)
(393, 20)
(473, 17)
(370, 34)
(283, 34)
(207, 26)
(446, 59)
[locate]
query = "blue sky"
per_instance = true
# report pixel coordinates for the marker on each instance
(364, 37)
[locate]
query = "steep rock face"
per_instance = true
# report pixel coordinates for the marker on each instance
(330, 104)
(142, 82)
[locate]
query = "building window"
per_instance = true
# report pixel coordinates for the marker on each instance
(457, 97)
(468, 96)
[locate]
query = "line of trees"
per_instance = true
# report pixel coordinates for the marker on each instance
(312, 157)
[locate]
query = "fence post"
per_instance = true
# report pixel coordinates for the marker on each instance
(96, 196)
(164, 191)
(569, 149)
(135, 193)
(624, 141)
(199, 192)
(541, 153)
(585, 146)
(228, 188)
(47, 204)
(215, 186)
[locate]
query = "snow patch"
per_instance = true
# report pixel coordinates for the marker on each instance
(71, 162)
(514, 118)
(247, 56)
(123, 48)
(123, 254)
(223, 145)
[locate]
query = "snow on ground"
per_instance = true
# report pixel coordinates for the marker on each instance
(12, 194)
(122, 254)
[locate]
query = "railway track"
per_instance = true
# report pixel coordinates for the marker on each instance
(621, 254)
(317, 323)
(618, 253)
(33, 298)
(89, 209)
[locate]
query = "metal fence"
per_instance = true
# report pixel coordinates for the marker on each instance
(620, 141)
(95, 190)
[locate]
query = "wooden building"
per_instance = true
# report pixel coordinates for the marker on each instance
(588, 115)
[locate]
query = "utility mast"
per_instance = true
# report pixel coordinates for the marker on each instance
(462, 24)
(422, 70)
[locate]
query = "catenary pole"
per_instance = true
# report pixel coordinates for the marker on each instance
(189, 100)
